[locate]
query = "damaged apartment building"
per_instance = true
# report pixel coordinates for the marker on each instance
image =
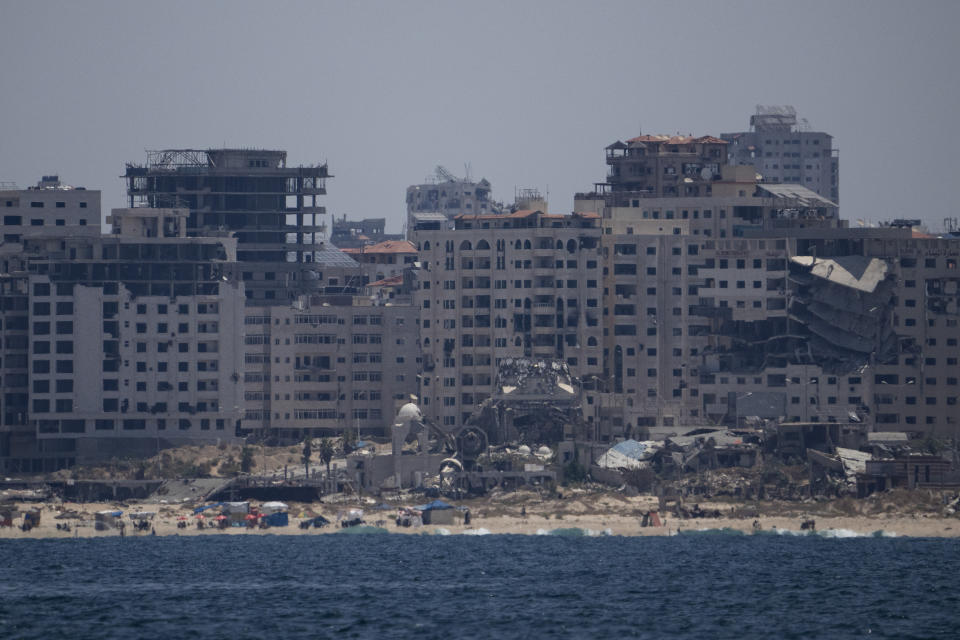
(316, 345)
(730, 298)
(507, 288)
(116, 344)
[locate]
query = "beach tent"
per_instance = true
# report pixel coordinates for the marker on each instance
(236, 512)
(275, 514)
(7, 514)
(437, 512)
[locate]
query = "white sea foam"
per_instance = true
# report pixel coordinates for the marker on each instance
(476, 532)
(441, 532)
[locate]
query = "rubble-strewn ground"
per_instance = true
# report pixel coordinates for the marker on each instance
(776, 496)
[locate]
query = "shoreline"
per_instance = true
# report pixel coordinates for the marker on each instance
(540, 519)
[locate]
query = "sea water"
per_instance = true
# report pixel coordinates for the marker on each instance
(492, 586)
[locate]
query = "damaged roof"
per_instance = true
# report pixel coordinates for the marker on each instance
(887, 437)
(803, 196)
(629, 454)
(855, 272)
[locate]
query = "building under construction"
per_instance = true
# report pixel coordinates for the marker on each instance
(272, 209)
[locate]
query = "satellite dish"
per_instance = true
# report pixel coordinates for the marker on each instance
(706, 173)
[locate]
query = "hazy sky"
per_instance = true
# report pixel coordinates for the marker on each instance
(527, 93)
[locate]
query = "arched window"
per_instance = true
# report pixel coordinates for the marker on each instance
(465, 246)
(591, 341)
(526, 244)
(483, 245)
(559, 244)
(517, 245)
(426, 245)
(571, 246)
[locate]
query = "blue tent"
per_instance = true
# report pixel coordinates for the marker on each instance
(435, 505)
(280, 519)
(205, 507)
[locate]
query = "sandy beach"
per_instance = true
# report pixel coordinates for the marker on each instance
(616, 515)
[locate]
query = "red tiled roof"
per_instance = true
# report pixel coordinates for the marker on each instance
(523, 213)
(387, 246)
(392, 281)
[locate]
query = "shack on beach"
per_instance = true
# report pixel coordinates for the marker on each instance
(31, 517)
(275, 514)
(236, 513)
(350, 518)
(7, 516)
(437, 512)
(107, 520)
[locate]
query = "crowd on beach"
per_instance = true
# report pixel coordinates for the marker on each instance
(628, 517)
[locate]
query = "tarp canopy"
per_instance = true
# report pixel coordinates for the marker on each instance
(207, 506)
(235, 507)
(273, 507)
(435, 505)
(629, 454)
(108, 512)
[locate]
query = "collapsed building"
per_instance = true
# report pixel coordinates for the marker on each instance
(533, 402)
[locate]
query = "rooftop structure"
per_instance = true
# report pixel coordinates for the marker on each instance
(449, 196)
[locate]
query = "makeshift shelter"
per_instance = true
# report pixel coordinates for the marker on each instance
(275, 514)
(31, 517)
(7, 514)
(437, 512)
(106, 520)
(236, 512)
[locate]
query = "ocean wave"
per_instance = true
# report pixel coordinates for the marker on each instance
(725, 531)
(363, 529)
(826, 533)
(475, 532)
(575, 532)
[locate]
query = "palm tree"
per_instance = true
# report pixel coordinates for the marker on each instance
(307, 452)
(326, 452)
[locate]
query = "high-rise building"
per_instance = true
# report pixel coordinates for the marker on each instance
(753, 298)
(273, 209)
(783, 150)
(495, 287)
(119, 344)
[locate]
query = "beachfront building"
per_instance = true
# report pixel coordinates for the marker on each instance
(327, 363)
(498, 287)
(749, 299)
(129, 342)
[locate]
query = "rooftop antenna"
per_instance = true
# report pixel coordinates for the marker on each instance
(467, 169)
